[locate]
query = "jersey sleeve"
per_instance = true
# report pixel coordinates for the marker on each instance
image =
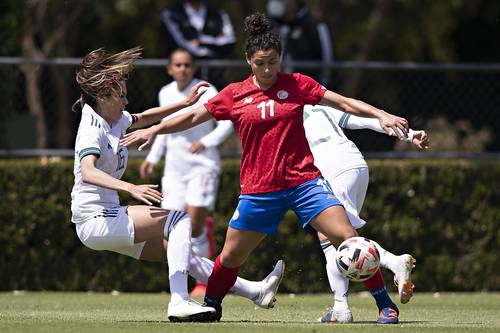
(88, 139)
(127, 119)
(220, 106)
(311, 91)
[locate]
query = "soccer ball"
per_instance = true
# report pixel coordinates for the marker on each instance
(357, 258)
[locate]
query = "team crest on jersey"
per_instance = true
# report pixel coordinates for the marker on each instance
(282, 94)
(248, 100)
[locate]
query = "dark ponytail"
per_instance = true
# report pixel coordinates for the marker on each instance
(260, 35)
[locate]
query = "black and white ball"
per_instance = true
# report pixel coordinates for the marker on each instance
(357, 258)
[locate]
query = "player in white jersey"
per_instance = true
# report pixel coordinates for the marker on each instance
(141, 231)
(192, 162)
(347, 172)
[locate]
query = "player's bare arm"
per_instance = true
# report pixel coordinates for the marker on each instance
(153, 115)
(92, 175)
(177, 124)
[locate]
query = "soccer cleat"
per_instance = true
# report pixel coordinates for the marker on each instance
(270, 284)
(189, 311)
(388, 316)
(402, 278)
(198, 290)
(213, 304)
(337, 316)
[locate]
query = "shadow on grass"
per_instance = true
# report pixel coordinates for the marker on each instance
(281, 322)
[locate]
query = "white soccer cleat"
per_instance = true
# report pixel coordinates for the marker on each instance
(402, 278)
(337, 317)
(269, 289)
(189, 311)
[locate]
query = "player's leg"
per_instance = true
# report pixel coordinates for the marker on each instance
(175, 227)
(237, 246)
(201, 191)
(201, 194)
(339, 312)
(351, 187)
(254, 218)
(200, 245)
(262, 293)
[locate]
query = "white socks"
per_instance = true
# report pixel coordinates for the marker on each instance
(200, 245)
(387, 259)
(201, 268)
(178, 232)
(338, 283)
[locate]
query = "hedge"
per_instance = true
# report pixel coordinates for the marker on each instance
(446, 213)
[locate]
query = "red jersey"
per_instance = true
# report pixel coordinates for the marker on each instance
(275, 152)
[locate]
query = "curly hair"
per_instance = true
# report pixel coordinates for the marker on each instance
(101, 72)
(260, 35)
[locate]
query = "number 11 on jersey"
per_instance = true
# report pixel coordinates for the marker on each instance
(263, 105)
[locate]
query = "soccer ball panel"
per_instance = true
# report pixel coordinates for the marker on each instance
(357, 258)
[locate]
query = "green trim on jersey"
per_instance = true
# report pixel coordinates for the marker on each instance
(343, 120)
(95, 122)
(89, 151)
(328, 118)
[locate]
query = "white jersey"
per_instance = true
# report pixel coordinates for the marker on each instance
(333, 152)
(95, 136)
(211, 133)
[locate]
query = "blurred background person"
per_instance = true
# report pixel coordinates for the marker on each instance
(203, 30)
(304, 38)
(192, 162)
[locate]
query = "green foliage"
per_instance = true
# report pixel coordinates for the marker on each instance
(445, 213)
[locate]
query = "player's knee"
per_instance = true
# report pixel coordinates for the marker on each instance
(232, 257)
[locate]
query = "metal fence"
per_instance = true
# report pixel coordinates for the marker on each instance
(455, 103)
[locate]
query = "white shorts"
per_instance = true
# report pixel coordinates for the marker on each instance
(199, 190)
(350, 188)
(111, 230)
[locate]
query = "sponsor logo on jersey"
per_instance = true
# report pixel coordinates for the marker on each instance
(248, 100)
(282, 94)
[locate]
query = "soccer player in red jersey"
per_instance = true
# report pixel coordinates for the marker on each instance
(277, 170)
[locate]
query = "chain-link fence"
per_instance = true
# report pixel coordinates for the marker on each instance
(455, 103)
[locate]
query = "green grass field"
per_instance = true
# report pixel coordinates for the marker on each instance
(99, 312)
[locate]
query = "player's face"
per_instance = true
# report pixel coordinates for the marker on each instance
(113, 105)
(265, 66)
(181, 68)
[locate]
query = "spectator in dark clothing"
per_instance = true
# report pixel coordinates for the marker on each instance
(302, 36)
(203, 30)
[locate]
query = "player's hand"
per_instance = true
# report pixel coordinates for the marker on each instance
(145, 193)
(394, 125)
(146, 136)
(197, 147)
(420, 139)
(146, 168)
(196, 91)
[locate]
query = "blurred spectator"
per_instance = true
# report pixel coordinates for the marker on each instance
(203, 30)
(192, 162)
(303, 37)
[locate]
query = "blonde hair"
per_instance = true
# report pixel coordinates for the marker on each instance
(101, 72)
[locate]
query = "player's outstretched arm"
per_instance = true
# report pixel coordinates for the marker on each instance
(177, 124)
(92, 175)
(153, 115)
(356, 107)
(418, 137)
